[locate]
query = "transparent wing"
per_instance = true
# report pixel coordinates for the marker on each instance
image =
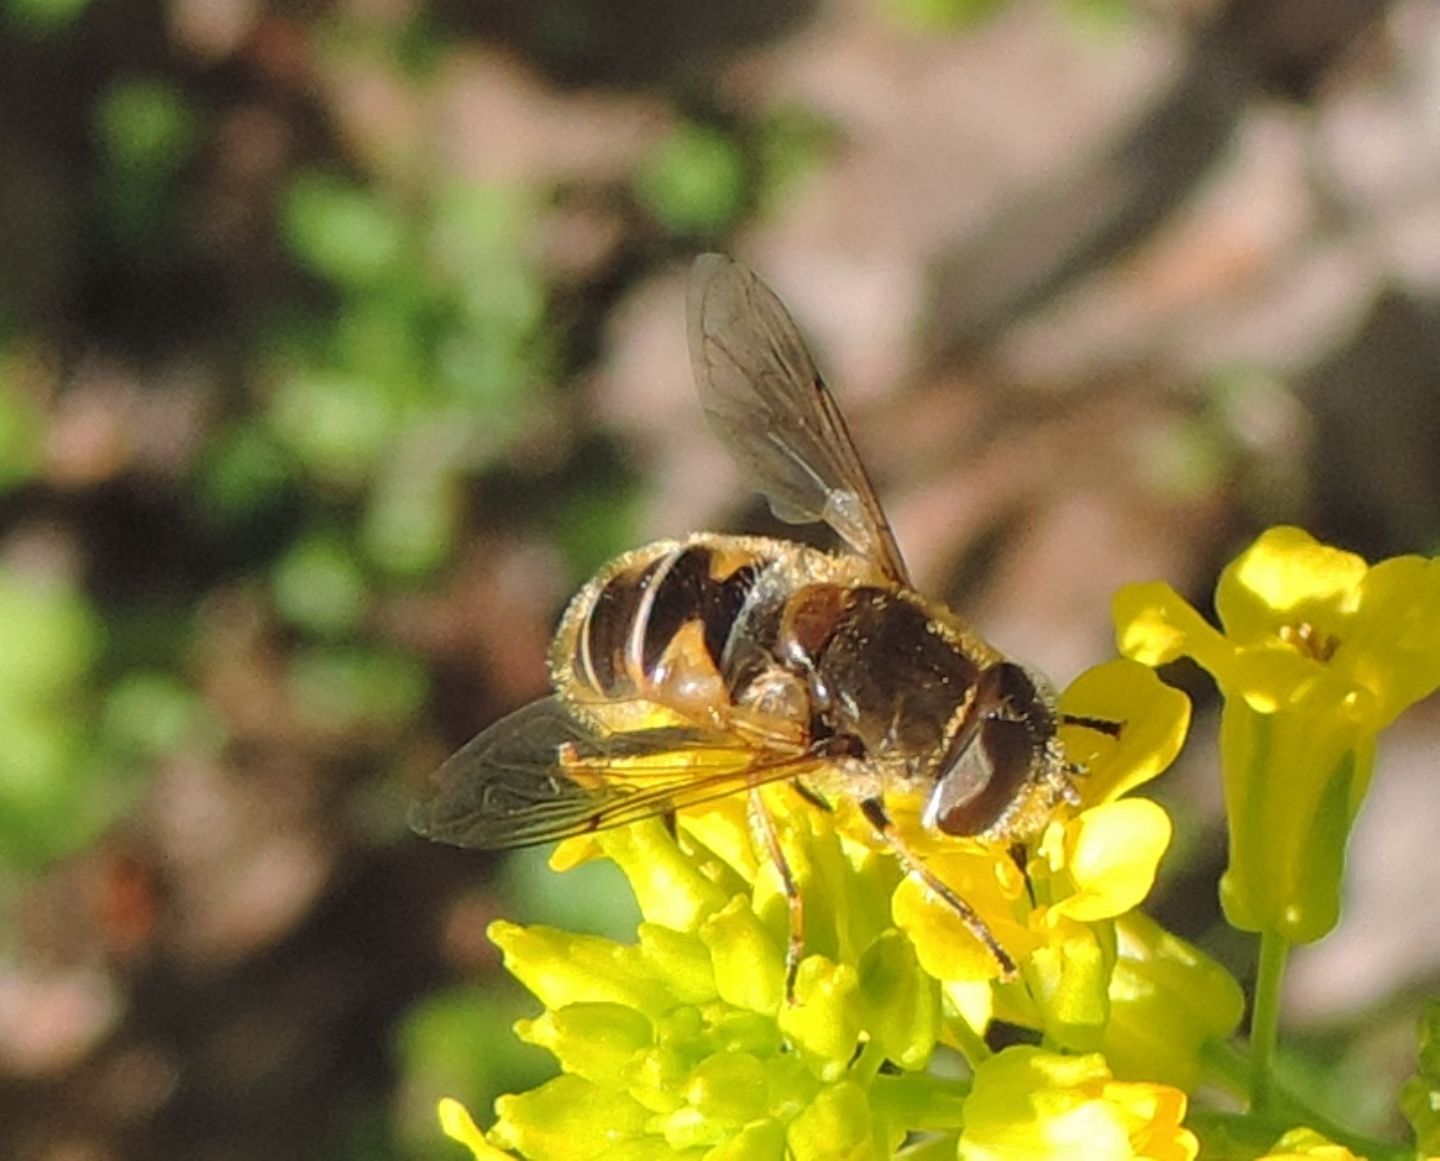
(768, 403)
(542, 774)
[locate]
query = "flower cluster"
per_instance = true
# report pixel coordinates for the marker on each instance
(1319, 653)
(685, 1042)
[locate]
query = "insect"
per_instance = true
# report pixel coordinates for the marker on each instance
(713, 665)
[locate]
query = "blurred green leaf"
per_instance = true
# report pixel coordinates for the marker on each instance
(942, 15)
(1420, 1094)
(42, 16)
(490, 375)
(495, 348)
(389, 339)
(1183, 460)
(459, 1043)
(472, 227)
(338, 425)
(20, 434)
(242, 472)
(49, 639)
(413, 519)
(594, 898)
(151, 715)
(596, 523)
(693, 180)
(344, 233)
(146, 126)
(320, 586)
(50, 801)
(1103, 16)
(338, 687)
(793, 144)
(147, 133)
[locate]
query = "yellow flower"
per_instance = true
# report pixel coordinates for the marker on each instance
(458, 1125)
(1308, 1145)
(1319, 653)
(684, 1043)
(1167, 1000)
(1085, 870)
(1028, 1103)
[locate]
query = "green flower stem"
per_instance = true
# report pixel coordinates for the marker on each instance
(1231, 1069)
(969, 1043)
(867, 1066)
(1227, 1067)
(1265, 1022)
(1246, 1135)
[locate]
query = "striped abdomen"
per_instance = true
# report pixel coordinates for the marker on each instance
(660, 624)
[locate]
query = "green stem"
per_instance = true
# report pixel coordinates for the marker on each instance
(867, 1068)
(1230, 1069)
(1265, 1021)
(970, 1044)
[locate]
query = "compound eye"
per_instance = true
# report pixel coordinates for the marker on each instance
(977, 787)
(995, 757)
(1014, 694)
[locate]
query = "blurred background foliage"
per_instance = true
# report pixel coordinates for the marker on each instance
(340, 342)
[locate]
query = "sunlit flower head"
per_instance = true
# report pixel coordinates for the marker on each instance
(1318, 653)
(1027, 1103)
(685, 1040)
(1168, 1000)
(1308, 1145)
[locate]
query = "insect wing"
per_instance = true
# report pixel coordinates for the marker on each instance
(769, 405)
(541, 774)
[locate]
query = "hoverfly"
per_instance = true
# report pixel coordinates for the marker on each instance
(781, 661)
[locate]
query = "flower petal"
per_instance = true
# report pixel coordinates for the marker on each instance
(1167, 998)
(1154, 624)
(569, 1119)
(1110, 856)
(1307, 1145)
(458, 1125)
(1285, 577)
(902, 1003)
(1153, 719)
(946, 947)
(824, 1022)
(1391, 649)
(1029, 1103)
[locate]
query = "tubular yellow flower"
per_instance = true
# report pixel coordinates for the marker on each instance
(1308, 1145)
(1167, 999)
(457, 1124)
(1027, 1103)
(1319, 653)
(683, 1044)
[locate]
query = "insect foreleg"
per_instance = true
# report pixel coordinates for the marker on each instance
(874, 811)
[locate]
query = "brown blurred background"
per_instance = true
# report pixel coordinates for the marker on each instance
(339, 342)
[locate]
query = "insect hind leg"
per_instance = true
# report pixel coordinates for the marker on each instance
(763, 827)
(874, 811)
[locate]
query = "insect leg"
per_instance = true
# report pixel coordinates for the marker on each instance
(812, 796)
(874, 811)
(764, 826)
(1107, 726)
